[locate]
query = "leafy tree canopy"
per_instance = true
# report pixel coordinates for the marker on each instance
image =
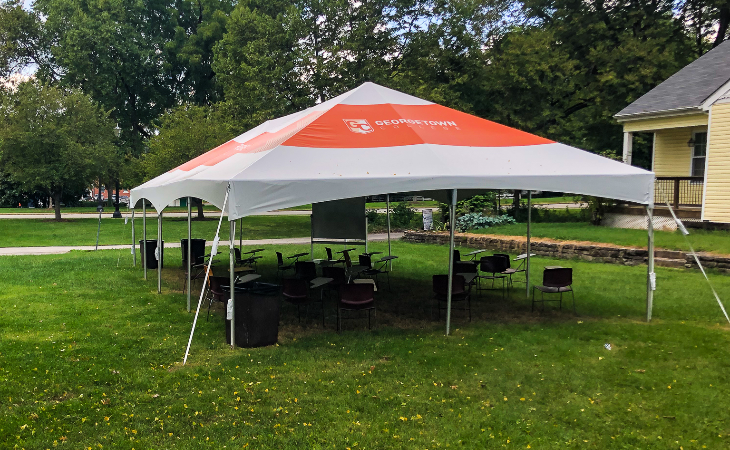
(52, 139)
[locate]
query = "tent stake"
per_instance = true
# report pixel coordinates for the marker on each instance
(159, 252)
(452, 220)
(190, 251)
(134, 250)
(232, 280)
(387, 213)
(650, 263)
(144, 236)
(527, 263)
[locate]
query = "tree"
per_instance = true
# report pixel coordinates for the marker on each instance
(184, 133)
(53, 140)
(279, 56)
(573, 64)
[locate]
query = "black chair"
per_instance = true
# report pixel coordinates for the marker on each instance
(467, 267)
(305, 270)
(198, 257)
(339, 278)
(296, 292)
(251, 261)
(355, 297)
(330, 259)
(493, 265)
(280, 266)
(373, 272)
(509, 271)
(353, 271)
(459, 293)
(555, 281)
(216, 291)
(457, 255)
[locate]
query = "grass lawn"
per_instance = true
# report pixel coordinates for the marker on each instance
(38, 233)
(90, 357)
(710, 241)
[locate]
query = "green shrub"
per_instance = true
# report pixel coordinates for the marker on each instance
(475, 221)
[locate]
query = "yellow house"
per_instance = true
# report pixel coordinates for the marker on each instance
(689, 116)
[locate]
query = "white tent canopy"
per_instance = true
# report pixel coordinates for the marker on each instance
(374, 140)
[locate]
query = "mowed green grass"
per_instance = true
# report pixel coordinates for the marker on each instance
(41, 233)
(91, 355)
(701, 240)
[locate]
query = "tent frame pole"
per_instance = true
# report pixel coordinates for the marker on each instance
(240, 234)
(390, 251)
(650, 263)
(134, 250)
(190, 250)
(529, 235)
(159, 252)
(144, 237)
(232, 279)
(452, 225)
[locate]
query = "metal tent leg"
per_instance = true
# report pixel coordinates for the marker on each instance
(452, 220)
(232, 280)
(650, 264)
(190, 250)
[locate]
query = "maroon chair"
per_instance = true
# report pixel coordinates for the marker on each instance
(296, 292)
(355, 297)
(555, 281)
(459, 292)
(216, 291)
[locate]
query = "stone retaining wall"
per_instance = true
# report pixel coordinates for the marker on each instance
(566, 250)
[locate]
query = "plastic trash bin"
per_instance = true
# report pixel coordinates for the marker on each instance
(257, 320)
(198, 251)
(151, 247)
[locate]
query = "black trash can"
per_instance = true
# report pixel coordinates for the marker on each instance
(198, 251)
(151, 247)
(257, 320)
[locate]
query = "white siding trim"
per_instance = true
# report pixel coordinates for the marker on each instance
(724, 89)
(707, 162)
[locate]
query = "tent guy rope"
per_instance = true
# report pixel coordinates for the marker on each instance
(213, 252)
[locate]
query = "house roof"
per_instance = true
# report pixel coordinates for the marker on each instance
(687, 89)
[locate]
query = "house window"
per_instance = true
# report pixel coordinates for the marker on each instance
(699, 153)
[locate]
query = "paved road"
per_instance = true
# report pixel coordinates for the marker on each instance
(8, 251)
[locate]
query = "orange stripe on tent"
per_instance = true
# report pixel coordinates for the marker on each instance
(369, 126)
(260, 143)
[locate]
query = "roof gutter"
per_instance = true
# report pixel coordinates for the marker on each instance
(621, 118)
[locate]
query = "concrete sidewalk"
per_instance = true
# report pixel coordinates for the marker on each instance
(17, 251)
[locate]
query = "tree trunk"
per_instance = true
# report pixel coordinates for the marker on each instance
(199, 204)
(57, 205)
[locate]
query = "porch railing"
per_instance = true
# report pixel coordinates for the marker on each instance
(679, 191)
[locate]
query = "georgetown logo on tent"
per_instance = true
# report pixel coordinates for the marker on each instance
(359, 126)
